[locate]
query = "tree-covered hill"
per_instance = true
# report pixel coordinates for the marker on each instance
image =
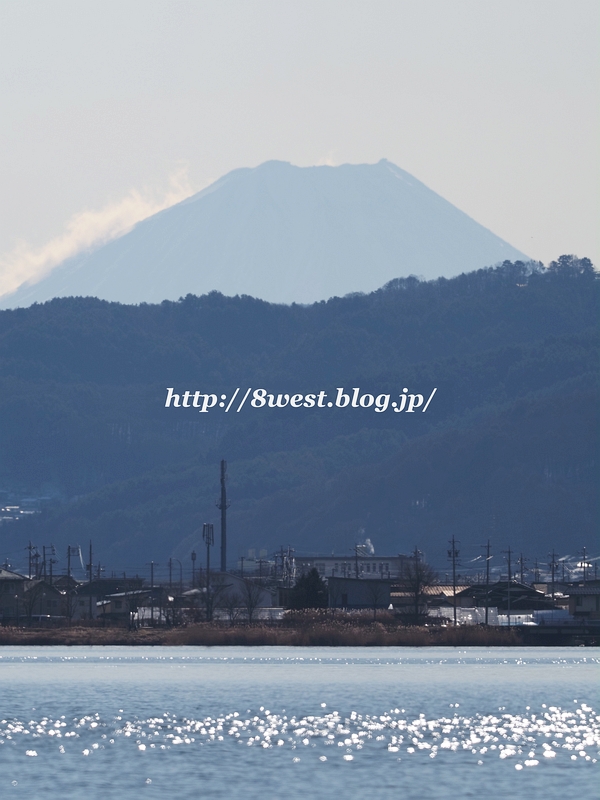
(508, 440)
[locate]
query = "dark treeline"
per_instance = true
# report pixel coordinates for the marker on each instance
(507, 446)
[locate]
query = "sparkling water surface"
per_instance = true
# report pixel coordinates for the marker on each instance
(241, 722)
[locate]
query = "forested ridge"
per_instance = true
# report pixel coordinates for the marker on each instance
(509, 442)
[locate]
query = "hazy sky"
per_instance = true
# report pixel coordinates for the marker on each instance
(110, 110)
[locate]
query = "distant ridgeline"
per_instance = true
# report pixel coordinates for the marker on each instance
(507, 448)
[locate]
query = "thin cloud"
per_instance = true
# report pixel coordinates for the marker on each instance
(327, 160)
(27, 265)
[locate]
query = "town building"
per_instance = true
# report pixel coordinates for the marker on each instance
(89, 594)
(360, 565)
(439, 596)
(584, 600)
(123, 607)
(357, 593)
(12, 591)
(230, 595)
(43, 601)
(507, 596)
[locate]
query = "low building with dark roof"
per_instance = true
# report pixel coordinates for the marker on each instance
(505, 596)
(584, 600)
(89, 594)
(12, 590)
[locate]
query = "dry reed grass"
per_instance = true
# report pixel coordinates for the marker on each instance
(306, 629)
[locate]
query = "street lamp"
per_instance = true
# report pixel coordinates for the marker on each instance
(180, 575)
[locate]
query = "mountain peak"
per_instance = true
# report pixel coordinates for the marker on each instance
(285, 234)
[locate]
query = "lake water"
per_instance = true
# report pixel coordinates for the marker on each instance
(276, 722)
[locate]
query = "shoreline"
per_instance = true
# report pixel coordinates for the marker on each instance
(315, 635)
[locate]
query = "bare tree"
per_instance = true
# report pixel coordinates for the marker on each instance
(251, 595)
(233, 603)
(334, 595)
(132, 601)
(416, 576)
(32, 599)
(377, 592)
(214, 586)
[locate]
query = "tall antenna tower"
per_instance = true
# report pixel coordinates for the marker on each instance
(223, 505)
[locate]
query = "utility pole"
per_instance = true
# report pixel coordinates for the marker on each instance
(36, 566)
(290, 566)
(487, 581)
(356, 560)
(152, 563)
(171, 582)
(585, 564)
(242, 563)
(418, 582)
(453, 555)
(90, 567)
(33, 559)
(208, 534)
(521, 563)
(70, 551)
(553, 565)
(223, 505)
(193, 557)
(180, 575)
(509, 553)
(51, 562)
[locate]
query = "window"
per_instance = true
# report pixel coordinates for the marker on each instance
(118, 604)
